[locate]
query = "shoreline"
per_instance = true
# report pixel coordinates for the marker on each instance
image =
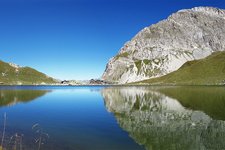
(119, 85)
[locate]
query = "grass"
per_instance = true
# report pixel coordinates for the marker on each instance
(138, 65)
(10, 138)
(125, 54)
(207, 71)
(146, 61)
(3, 132)
(24, 75)
(16, 141)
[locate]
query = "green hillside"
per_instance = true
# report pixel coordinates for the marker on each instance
(207, 71)
(10, 75)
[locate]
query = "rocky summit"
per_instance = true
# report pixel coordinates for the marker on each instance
(186, 35)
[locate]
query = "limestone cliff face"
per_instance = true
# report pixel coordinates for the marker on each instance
(163, 47)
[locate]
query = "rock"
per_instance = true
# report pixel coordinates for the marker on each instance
(14, 65)
(65, 82)
(98, 82)
(70, 82)
(164, 47)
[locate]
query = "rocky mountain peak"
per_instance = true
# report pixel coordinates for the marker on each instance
(161, 48)
(209, 10)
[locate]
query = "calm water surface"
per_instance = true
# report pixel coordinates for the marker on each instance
(113, 118)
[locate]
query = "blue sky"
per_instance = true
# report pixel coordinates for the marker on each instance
(74, 39)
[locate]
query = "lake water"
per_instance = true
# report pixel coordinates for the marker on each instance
(113, 118)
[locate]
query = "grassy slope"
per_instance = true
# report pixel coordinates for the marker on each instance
(24, 75)
(207, 71)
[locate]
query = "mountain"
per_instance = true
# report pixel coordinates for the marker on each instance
(162, 48)
(170, 118)
(207, 71)
(12, 74)
(12, 97)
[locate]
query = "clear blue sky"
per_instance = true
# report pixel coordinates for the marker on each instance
(74, 39)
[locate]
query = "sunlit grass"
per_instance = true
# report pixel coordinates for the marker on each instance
(207, 71)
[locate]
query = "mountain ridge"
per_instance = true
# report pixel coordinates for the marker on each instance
(189, 34)
(13, 74)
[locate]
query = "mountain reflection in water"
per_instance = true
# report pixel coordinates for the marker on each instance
(12, 97)
(166, 118)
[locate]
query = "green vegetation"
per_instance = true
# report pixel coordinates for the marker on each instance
(25, 75)
(16, 141)
(125, 54)
(148, 72)
(207, 71)
(146, 61)
(138, 65)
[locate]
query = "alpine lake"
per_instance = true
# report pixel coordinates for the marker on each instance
(112, 117)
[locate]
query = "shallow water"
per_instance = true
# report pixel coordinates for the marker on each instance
(113, 118)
